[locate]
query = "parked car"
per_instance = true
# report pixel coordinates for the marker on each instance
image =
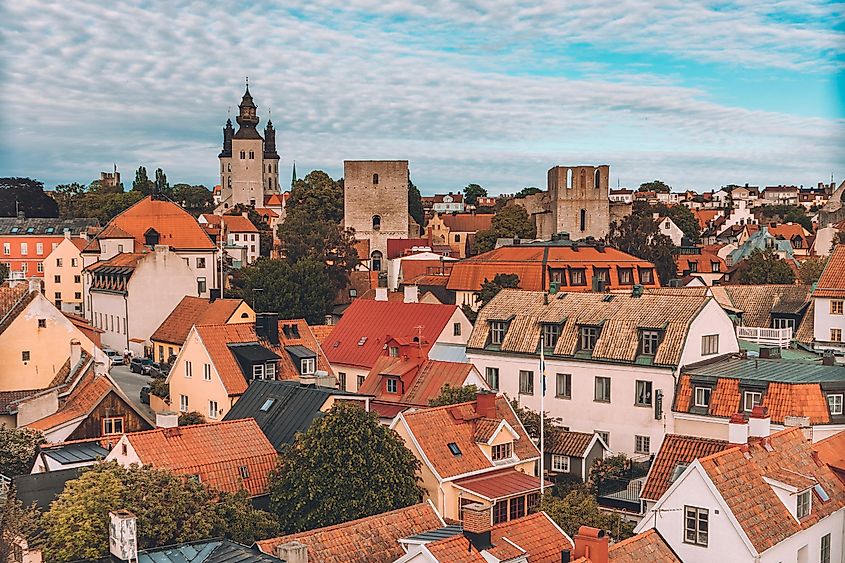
(145, 394)
(115, 357)
(159, 370)
(140, 365)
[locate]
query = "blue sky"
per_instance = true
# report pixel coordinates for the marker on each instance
(696, 93)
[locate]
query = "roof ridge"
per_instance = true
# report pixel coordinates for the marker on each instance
(441, 407)
(206, 424)
(351, 522)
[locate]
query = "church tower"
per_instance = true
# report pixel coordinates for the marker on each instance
(249, 163)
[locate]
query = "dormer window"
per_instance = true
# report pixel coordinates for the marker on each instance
(497, 332)
(577, 277)
(551, 334)
(502, 451)
(151, 237)
(308, 366)
(393, 351)
(589, 335)
(804, 500)
(258, 371)
(649, 340)
(392, 385)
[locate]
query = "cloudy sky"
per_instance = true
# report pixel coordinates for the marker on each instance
(697, 93)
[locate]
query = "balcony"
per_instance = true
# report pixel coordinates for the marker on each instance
(780, 337)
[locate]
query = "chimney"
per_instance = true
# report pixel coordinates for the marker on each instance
(381, 294)
(34, 285)
(213, 295)
(292, 552)
(478, 520)
(412, 294)
(592, 544)
(75, 353)
(485, 405)
(760, 423)
(267, 327)
(828, 359)
(167, 419)
(67, 234)
(123, 542)
(738, 429)
(565, 556)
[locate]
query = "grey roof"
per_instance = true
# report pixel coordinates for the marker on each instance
(43, 488)
(438, 534)
(292, 409)
(782, 371)
(300, 352)
(42, 226)
(78, 452)
(202, 551)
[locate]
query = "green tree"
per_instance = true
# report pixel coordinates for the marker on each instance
(472, 192)
(105, 206)
(811, 270)
(453, 395)
(786, 214)
(639, 235)
(195, 199)
(530, 419)
(579, 508)
(686, 221)
(345, 466)
(142, 182)
(415, 206)
(303, 289)
(763, 267)
(490, 289)
(26, 195)
(191, 418)
(17, 522)
(512, 221)
(316, 197)
(161, 185)
(169, 509)
(66, 196)
(527, 191)
(655, 186)
(18, 448)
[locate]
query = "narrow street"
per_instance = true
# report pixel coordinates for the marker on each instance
(131, 383)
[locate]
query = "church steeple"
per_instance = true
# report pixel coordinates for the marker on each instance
(228, 133)
(247, 118)
(270, 142)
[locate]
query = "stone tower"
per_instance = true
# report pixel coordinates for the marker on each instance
(249, 163)
(580, 201)
(375, 204)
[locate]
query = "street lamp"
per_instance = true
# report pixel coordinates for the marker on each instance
(254, 291)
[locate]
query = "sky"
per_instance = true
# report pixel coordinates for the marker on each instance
(696, 93)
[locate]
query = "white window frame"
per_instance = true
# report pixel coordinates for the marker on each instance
(188, 369)
(560, 463)
(642, 444)
(270, 370)
(206, 372)
(695, 514)
(308, 366)
(213, 410)
(650, 340)
(702, 403)
(803, 504)
(751, 395)
(836, 404)
(258, 371)
(497, 332)
(501, 452)
(183, 403)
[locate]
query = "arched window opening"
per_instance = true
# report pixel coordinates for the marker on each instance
(251, 155)
(583, 179)
(376, 222)
(269, 183)
(597, 179)
(375, 179)
(243, 155)
(582, 220)
(569, 179)
(376, 257)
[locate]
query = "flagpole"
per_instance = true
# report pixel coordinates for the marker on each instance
(542, 417)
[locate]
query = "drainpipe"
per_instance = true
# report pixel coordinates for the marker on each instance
(126, 318)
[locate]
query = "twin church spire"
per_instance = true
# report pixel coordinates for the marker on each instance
(247, 120)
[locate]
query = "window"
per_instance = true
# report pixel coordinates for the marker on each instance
(824, 550)
(836, 306)
(715, 267)
(601, 274)
(642, 444)
(243, 155)
(702, 396)
(212, 409)
(251, 155)
(779, 322)
(649, 339)
(502, 451)
(626, 276)
(376, 260)
(201, 262)
(500, 512)
(124, 449)
(73, 262)
(393, 351)
(40, 268)
(602, 389)
(258, 371)
(646, 275)
(453, 447)
(42, 323)
(589, 335)
(206, 372)
(376, 222)
(7, 248)
(392, 385)
(576, 276)
(113, 425)
(237, 237)
(183, 403)
(308, 366)
(188, 369)
(57, 279)
(526, 382)
(693, 267)
(835, 333)
(24, 249)
(457, 238)
(802, 509)
(563, 389)
(77, 295)
(456, 329)
(750, 399)
(201, 286)
(605, 437)
(582, 220)
(76, 279)
(267, 404)
(375, 179)
(497, 332)
(551, 333)
(643, 398)
(244, 471)
(696, 525)
(492, 376)
(341, 380)
(597, 179)
(39, 248)
(709, 344)
(23, 267)
(360, 380)
(834, 403)
(560, 463)
(517, 507)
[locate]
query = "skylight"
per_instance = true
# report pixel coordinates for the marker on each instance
(453, 447)
(822, 494)
(267, 404)
(361, 342)
(679, 469)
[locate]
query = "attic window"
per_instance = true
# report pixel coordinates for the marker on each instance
(267, 404)
(803, 501)
(679, 469)
(453, 447)
(821, 493)
(244, 470)
(497, 332)
(361, 341)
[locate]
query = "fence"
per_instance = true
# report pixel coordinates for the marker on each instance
(768, 336)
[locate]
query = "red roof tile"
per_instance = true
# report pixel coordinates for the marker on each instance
(570, 443)
(500, 484)
(704, 216)
(88, 394)
(194, 311)
(676, 449)
(366, 325)
(831, 451)
(411, 269)
(647, 546)
(397, 247)
(238, 224)
(176, 227)
(216, 452)
(420, 379)
(832, 281)
(374, 539)
(468, 222)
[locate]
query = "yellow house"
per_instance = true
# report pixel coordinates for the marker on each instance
(169, 337)
(474, 452)
(63, 275)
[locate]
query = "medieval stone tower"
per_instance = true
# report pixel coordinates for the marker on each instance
(375, 204)
(579, 200)
(249, 163)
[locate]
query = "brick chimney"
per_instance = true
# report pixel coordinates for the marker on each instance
(592, 544)
(485, 405)
(738, 429)
(75, 353)
(760, 423)
(478, 520)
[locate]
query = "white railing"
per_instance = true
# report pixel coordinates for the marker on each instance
(769, 336)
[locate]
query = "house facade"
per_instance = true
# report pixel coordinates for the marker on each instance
(26, 243)
(829, 305)
(63, 275)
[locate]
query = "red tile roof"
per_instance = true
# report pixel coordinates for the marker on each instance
(789, 231)
(570, 443)
(535, 536)
(704, 262)
(374, 539)
(122, 260)
(704, 216)
(176, 227)
(530, 262)
(832, 281)
(276, 200)
(435, 428)
(397, 247)
(238, 224)
(420, 379)
(738, 472)
(214, 451)
(468, 222)
(411, 269)
(266, 212)
(499, 484)
(676, 449)
(194, 311)
(433, 280)
(831, 451)
(359, 338)
(647, 546)
(84, 399)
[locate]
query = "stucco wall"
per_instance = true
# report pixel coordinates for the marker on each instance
(67, 288)
(198, 390)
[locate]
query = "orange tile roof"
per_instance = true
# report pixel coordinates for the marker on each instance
(420, 379)
(176, 227)
(276, 199)
(122, 260)
(266, 212)
(434, 280)
(788, 231)
(704, 262)
(738, 475)
(238, 224)
(569, 443)
(831, 451)
(535, 536)
(321, 332)
(194, 311)
(501, 483)
(411, 269)
(214, 451)
(704, 216)
(374, 539)
(832, 281)
(676, 449)
(398, 246)
(468, 222)
(530, 261)
(90, 391)
(434, 428)
(647, 546)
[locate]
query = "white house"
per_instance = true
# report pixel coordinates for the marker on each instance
(611, 359)
(667, 227)
(829, 304)
(765, 499)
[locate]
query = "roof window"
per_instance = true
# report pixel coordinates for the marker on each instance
(453, 447)
(362, 341)
(821, 493)
(267, 404)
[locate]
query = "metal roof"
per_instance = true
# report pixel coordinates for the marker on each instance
(45, 226)
(438, 534)
(43, 488)
(216, 551)
(785, 371)
(300, 352)
(76, 453)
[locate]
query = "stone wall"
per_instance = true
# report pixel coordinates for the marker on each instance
(579, 198)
